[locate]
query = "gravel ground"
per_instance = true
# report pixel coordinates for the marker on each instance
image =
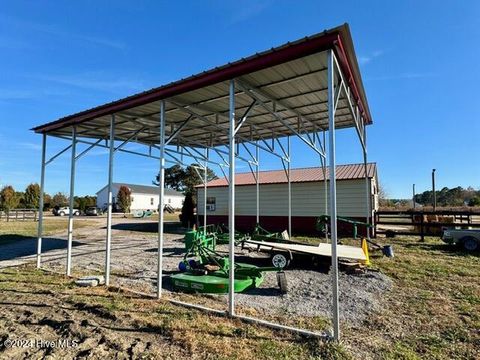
(134, 264)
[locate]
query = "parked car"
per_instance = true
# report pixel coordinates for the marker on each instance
(93, 211)
(62, 211)
(467, 239)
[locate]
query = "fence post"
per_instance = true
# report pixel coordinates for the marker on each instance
(422, 234)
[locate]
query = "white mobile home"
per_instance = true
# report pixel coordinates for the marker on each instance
(308, 197)
(143, 197)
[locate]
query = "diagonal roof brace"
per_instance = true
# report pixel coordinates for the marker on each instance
(282, 120)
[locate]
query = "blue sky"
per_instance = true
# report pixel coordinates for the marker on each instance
(419, 62)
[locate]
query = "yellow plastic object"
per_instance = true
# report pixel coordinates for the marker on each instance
(365, 251)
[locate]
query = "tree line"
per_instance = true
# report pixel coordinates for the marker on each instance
(30, 199)
(446, 197)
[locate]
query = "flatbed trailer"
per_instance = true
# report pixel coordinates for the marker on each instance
(284, 252)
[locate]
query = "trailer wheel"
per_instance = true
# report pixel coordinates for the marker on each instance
(282, 282)
(470, 244)
(280, 260)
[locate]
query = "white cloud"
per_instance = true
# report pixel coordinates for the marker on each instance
(365, 59)
(245, 10)
(95, 80)
(58, 32)
(403, 76)
(31, 146)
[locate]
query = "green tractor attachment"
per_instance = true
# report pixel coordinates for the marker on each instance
(204, 270)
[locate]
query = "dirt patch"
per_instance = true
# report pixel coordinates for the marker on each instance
(41, 324)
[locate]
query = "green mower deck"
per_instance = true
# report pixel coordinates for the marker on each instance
(217, 281)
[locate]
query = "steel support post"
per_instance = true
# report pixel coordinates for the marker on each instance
(333, 195)
(40, 206)
(257, 181)
(289, 184)
(108, 244)
(367, 183)
(161, 199)
(205, 192)
(231, 203)
(323, 162)
(70, 207)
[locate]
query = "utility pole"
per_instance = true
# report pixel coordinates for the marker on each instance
(433, 191)
(413, 196)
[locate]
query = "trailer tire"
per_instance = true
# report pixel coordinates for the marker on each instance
(280, 260)
(282, 282)
(470, 244)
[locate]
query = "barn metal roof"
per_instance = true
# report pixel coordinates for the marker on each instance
(292, 78)
(299, 175)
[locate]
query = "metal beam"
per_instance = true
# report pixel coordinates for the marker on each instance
(333, 196)
(257, 183)
(88, 149)
(177, 130)
(368, 186)
(161, 199)
(231, 204)
(108, 242)
(70, 207)
(245, 115)
(40, 207)
(58, 154)
(289, 189)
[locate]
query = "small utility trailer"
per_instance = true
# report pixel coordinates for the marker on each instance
(282, 253)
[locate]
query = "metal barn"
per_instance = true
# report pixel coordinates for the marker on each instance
(309, 192)
(309, 88)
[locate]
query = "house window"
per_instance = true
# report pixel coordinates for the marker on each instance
(151, 201)
(211, 203)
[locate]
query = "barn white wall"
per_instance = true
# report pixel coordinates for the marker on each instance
(307, 199)
(140, 201)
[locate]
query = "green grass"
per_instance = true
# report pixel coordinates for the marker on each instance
(17, 230)
(433, 310)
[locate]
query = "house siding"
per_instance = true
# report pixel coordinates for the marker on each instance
(140, 201)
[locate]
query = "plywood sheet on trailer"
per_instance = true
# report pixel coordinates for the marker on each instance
(323, 249)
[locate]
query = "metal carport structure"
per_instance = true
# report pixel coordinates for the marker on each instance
(304, 89)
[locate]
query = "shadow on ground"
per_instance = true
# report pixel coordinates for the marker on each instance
(452, 250)
(15, 246)
(150, 227)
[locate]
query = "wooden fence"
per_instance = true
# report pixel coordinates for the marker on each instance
(19, 215)
(423, 223)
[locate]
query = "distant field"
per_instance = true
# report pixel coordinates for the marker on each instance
(15, 230)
